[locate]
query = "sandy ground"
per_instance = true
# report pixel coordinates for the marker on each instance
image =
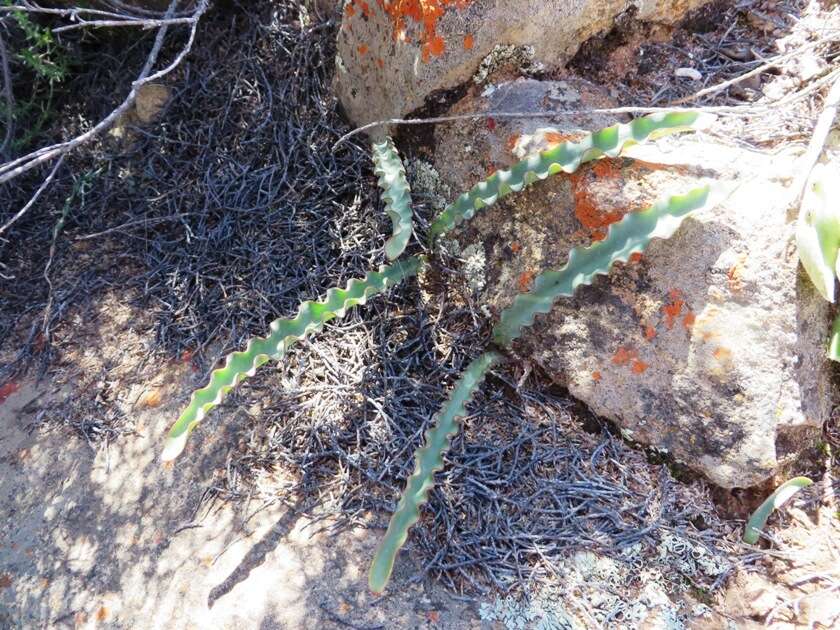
(112, 539)
(108, 537)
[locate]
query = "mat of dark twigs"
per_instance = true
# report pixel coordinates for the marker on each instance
(230, 211)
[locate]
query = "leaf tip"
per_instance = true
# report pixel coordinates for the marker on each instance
(174, 446)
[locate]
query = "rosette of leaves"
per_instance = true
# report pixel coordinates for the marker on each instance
(629, 236)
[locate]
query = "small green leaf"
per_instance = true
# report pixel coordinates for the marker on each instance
(396, 193)
(284, 332)
(774, 501)
(565, 157)
(428, 460)
(834, 342)
(818, 232)
(629, 236)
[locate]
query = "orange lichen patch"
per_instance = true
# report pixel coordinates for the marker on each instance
(351, 9)
(524, 281)
(688, 320)
(596, 376)
(735, 274)
(425, 13)
(469, 42)
(553, 138)
(380, 63)
(491, 124)
(639, 366)
(363, 48)
(588, 212)
(608, 168)
(515, 247)
(675, 294)
(7, 389)
(636, 257)
(623, 356)
(512, 141)
(650, 332)
(672, 311)
(722, 354)
(434, 46)
(491, 170)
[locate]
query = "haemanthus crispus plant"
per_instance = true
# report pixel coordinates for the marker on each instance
(630, 235)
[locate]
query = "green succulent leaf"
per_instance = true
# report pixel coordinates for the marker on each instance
(818, 232)
(628, 236)
(284, 332)
(834, 342)
(396, 193)
(429, 460)
(774, 501)
(565, 157)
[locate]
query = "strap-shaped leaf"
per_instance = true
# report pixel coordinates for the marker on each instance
(628, 236)
(429, 460)
(776, 500)
(834, 342)
(284, 332)
(396, 193)
(818, 231)
(565, 157)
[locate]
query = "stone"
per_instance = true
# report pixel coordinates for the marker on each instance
(751, 595)
(151, 99)
(711, 345)
(392, 55)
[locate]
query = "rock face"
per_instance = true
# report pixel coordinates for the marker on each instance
(710, 346)
(393, 54)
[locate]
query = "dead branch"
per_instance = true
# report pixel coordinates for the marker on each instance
(19, 166)
(9, 96)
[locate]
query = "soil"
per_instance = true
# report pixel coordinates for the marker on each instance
(110, 538)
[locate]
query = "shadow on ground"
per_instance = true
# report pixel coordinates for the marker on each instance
(114, 539)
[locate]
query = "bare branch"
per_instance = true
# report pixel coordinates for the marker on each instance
(34, 198)
(142, 23)
(17, 167)
(10, 98)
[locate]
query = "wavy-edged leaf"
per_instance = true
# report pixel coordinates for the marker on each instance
(834, 342)
(284, 332)
(565, 157)
(396, 193)
(428, 460)
(629, 236)
(818, 232)
(774, 501)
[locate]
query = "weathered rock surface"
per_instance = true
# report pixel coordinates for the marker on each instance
(393, 55)
(711, 346)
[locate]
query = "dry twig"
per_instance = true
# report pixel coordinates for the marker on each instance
(21, 165)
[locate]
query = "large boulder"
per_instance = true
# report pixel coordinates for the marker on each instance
(710, 346)
(393, 54)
